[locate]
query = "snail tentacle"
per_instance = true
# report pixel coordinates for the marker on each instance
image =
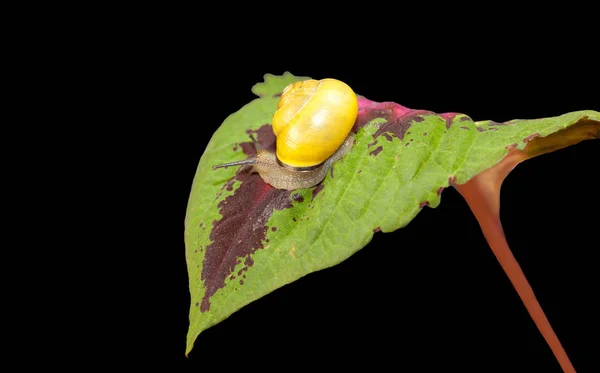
(251, 160)
(236, 163)
(255, 143)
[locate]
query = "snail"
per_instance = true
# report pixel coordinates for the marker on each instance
(313, 127)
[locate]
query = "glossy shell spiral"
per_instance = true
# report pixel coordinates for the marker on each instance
(312, 120)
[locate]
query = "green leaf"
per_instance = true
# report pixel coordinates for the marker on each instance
(245, 239)
(274, 85)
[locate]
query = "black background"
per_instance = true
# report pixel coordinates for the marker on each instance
(428, 296)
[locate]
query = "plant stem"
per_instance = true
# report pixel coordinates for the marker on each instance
(482, 194)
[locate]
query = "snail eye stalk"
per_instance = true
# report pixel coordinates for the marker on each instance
(237, 163)
(245, 161)
(255, 143)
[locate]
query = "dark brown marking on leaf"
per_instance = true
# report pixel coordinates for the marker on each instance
(376, 151)
(424, 133)
(317, 189)
(236, 147)
(449, 117)
(227, 186)
(359, 171)
(201, 225)
(248, 148)
(241, 282)
(531, 137)
(439, 190)
(400, 125)
(265, 137)
(195, 251)
(274, 229)
(449, 122)
(371, 144)
(294, 219)
(244, 276)
(387, 136)
(479, 129)
(492, 123)
(298, 198)
(249, 262)
(465, 118)
(242, 228)
(277, 94)
(398, 118)
(232, 277)
(379, 110)
(377, 229)
(407, 144)
(412, 139)
(493, 129)
(197, 304)
(465, 128)
(423, 204)
(331, 171)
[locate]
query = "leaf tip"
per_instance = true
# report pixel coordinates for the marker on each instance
(272, 85)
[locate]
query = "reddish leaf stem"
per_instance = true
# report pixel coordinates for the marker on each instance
(482, 194)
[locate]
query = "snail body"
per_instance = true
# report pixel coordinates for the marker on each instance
(313, 127)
